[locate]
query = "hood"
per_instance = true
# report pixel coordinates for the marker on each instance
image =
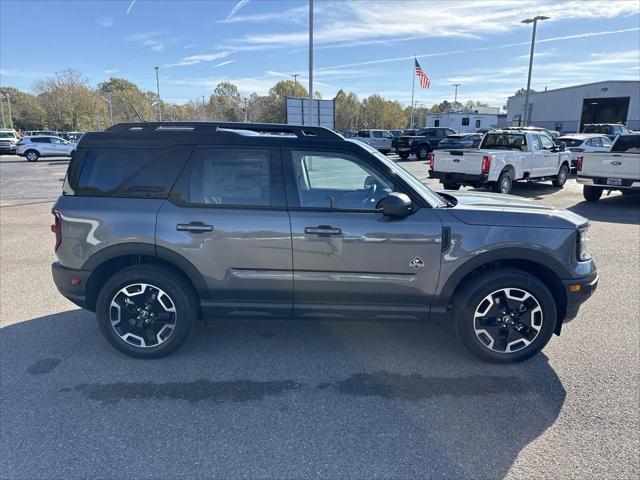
(480, 208)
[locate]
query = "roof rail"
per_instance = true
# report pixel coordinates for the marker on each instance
(300, 131)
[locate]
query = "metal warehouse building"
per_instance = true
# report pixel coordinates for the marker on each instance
(568, 109)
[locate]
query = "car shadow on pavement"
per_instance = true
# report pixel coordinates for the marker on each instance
(266, 398)
(616, 208)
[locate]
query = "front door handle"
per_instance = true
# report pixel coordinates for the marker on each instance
(194, 227)
(322, 230)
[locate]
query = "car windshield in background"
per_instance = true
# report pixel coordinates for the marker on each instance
(7, 135)
(571, 142)
(604, 129)
(505, 141)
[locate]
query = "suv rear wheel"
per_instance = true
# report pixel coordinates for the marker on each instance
(146, 311)
(32, 156)
(505, 316)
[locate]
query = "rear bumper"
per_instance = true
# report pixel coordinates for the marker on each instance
(76, 292)
(460, 178)
(602, 182)
(578, 291)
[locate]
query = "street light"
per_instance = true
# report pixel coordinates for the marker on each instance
(158, 87)
(295, 82)
(310, 63)
(455, 95)
(533, 20)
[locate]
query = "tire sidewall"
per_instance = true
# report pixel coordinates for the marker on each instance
(479, 289)
(32, 152)
(426, 149)
(563, 175)
(181, 295)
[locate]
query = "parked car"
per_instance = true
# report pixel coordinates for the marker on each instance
(552, 133)
(33, 148)
(422, 143)
(611, 130)
(8, 140)
(378, 139)
(160, 227)
(39, 133)
(348, 134)
(584, 142)
(460, 140)
(504, 157)
(394, 141)
(619, 169)
(74, 136)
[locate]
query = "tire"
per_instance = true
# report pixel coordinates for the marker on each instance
(527, 331)
(591, 194)
(423, 151)
(451, 186)
(404, 155)
(504, 183)
(562, 176)
(31, 155)
(163, 334)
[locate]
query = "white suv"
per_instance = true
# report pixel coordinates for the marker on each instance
(8, 140)
(44, 146)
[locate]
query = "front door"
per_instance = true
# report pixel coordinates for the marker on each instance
(347, 256)
(551, 156)
(227, 217)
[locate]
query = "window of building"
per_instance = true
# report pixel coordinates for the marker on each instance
(436, 123)
(465, 121)
(478, 123)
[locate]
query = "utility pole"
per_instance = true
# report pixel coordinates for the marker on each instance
(310, 62)
(533, 43)
(413, 88)
(455, 95)
(246, 111)
(204, 109)
(2, 110)
(9, 107)
(295, 83)
(110, 108)
(158, 88)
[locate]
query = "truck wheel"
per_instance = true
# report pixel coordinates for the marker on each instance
(505, 315)
(451, 186)
(504, 183)
(591, 194)
(32, 156)
(562, 176)
(146, 311)
(423, 152)
(404, 155)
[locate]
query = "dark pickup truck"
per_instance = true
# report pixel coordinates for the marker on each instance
(422, 143)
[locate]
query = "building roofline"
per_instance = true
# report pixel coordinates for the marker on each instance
(576, 86)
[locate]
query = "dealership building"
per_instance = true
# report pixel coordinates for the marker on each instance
(568, 109)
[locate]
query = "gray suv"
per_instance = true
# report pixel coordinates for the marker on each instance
(162, 224)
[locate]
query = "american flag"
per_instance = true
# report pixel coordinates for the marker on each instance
(424, 80)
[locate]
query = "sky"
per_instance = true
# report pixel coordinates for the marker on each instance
(361, 46)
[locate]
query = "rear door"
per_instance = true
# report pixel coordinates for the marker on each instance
(227, 217)
(43, 145)
(347, 256)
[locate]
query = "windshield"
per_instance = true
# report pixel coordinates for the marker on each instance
(605, 129)
(504, 141)
(7, 135)
(425, 192)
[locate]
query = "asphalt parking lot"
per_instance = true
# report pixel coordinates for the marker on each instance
(309, 399)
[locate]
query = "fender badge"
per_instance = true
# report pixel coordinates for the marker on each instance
(416, 263)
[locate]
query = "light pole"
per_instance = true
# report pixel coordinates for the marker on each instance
(2, 110)
(533, 20)
(110, 108)
(246, 111)
(204, 109)
(6, 95)
(158, 88)
(295, 82)
(310, 62)
(455, 95)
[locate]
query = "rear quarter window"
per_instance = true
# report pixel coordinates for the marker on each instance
(129, 172)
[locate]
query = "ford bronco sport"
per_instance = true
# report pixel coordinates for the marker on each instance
(162, 224)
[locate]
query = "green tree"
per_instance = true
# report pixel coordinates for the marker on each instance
(274, 107)
(348, 111)
(26, 111)
(225, 103)
(127, 99)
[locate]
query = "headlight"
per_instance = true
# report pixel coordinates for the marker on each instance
(582, 249)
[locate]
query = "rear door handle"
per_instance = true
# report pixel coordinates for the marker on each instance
(194, 227)
(322, 230)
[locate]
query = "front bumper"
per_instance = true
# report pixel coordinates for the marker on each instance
(71, 283)
(602, 182)
(459, 178)
(578, 291)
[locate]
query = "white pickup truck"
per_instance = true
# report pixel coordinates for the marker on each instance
(618, 169)
(503, 157)
(378, 139)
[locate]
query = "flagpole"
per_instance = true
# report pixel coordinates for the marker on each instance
(413, 87)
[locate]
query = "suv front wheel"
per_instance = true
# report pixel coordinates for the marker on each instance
(146, 311)
(505, 316)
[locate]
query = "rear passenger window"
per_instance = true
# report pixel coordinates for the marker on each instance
(627, 143)
(40, 140)
(231, 177)
(131, 172)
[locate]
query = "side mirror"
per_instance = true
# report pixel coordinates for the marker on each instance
(395, 205)
(563, 146)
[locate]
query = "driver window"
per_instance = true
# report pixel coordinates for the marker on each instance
(547, 143)
(537, 144)
(337, 180)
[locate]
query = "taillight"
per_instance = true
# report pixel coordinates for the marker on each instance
(579, 163)
(56, 228)
(577, 149)
(430, 158)
(486, 164)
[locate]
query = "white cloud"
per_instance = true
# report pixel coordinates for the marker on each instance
(105, 22)
(206, 57)
(222, 64)
(109, 71)
(238, 6)
(148, 40)
(130, 6)
(295, 15)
